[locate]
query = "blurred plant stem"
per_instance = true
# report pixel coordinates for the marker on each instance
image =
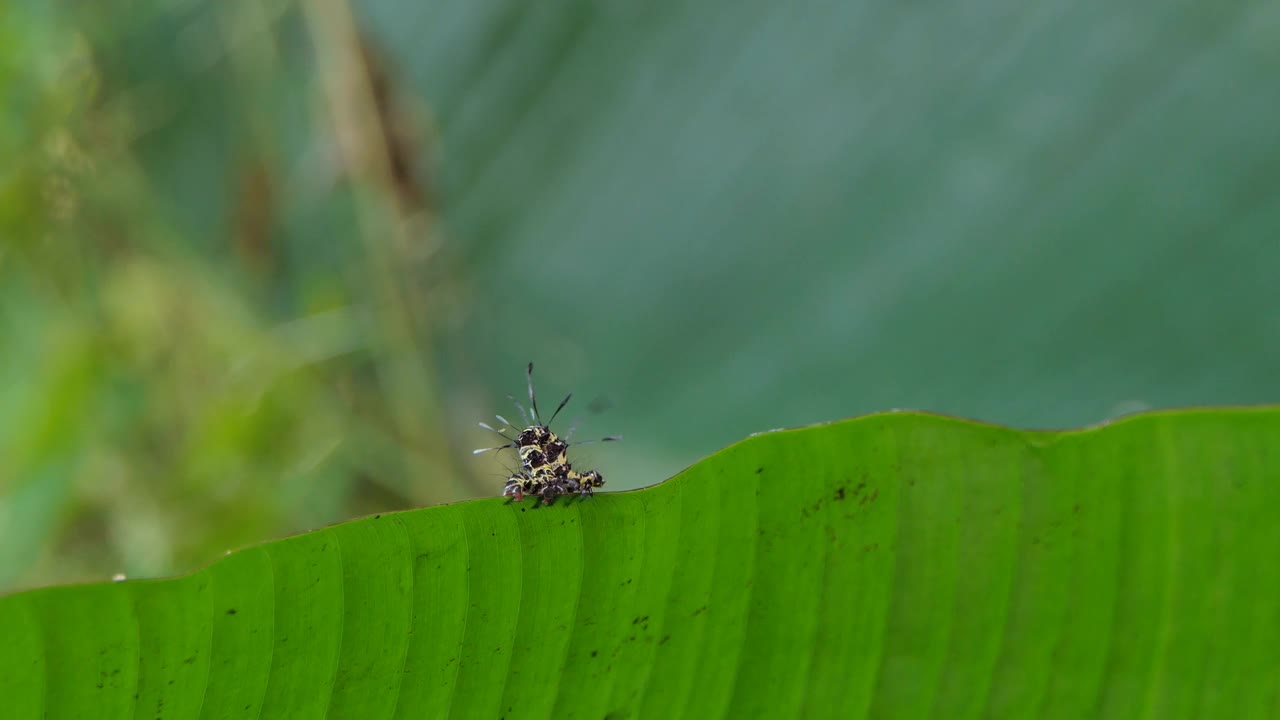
(398, 230)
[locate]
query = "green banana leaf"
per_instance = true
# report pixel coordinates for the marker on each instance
(898, 565)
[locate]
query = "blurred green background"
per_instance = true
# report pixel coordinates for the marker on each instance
(264, 265)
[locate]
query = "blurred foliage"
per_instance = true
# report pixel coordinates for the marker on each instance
(166, 394)
(263, 265)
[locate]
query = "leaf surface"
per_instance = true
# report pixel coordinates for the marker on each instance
(898, 565)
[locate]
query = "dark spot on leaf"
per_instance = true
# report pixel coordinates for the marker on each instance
(1075, 508)
(231, 611)
(188, 661)
(700, 610)
(377, 517)
(840, 493)
(664, 639)
(759, 470)
(595, 653)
